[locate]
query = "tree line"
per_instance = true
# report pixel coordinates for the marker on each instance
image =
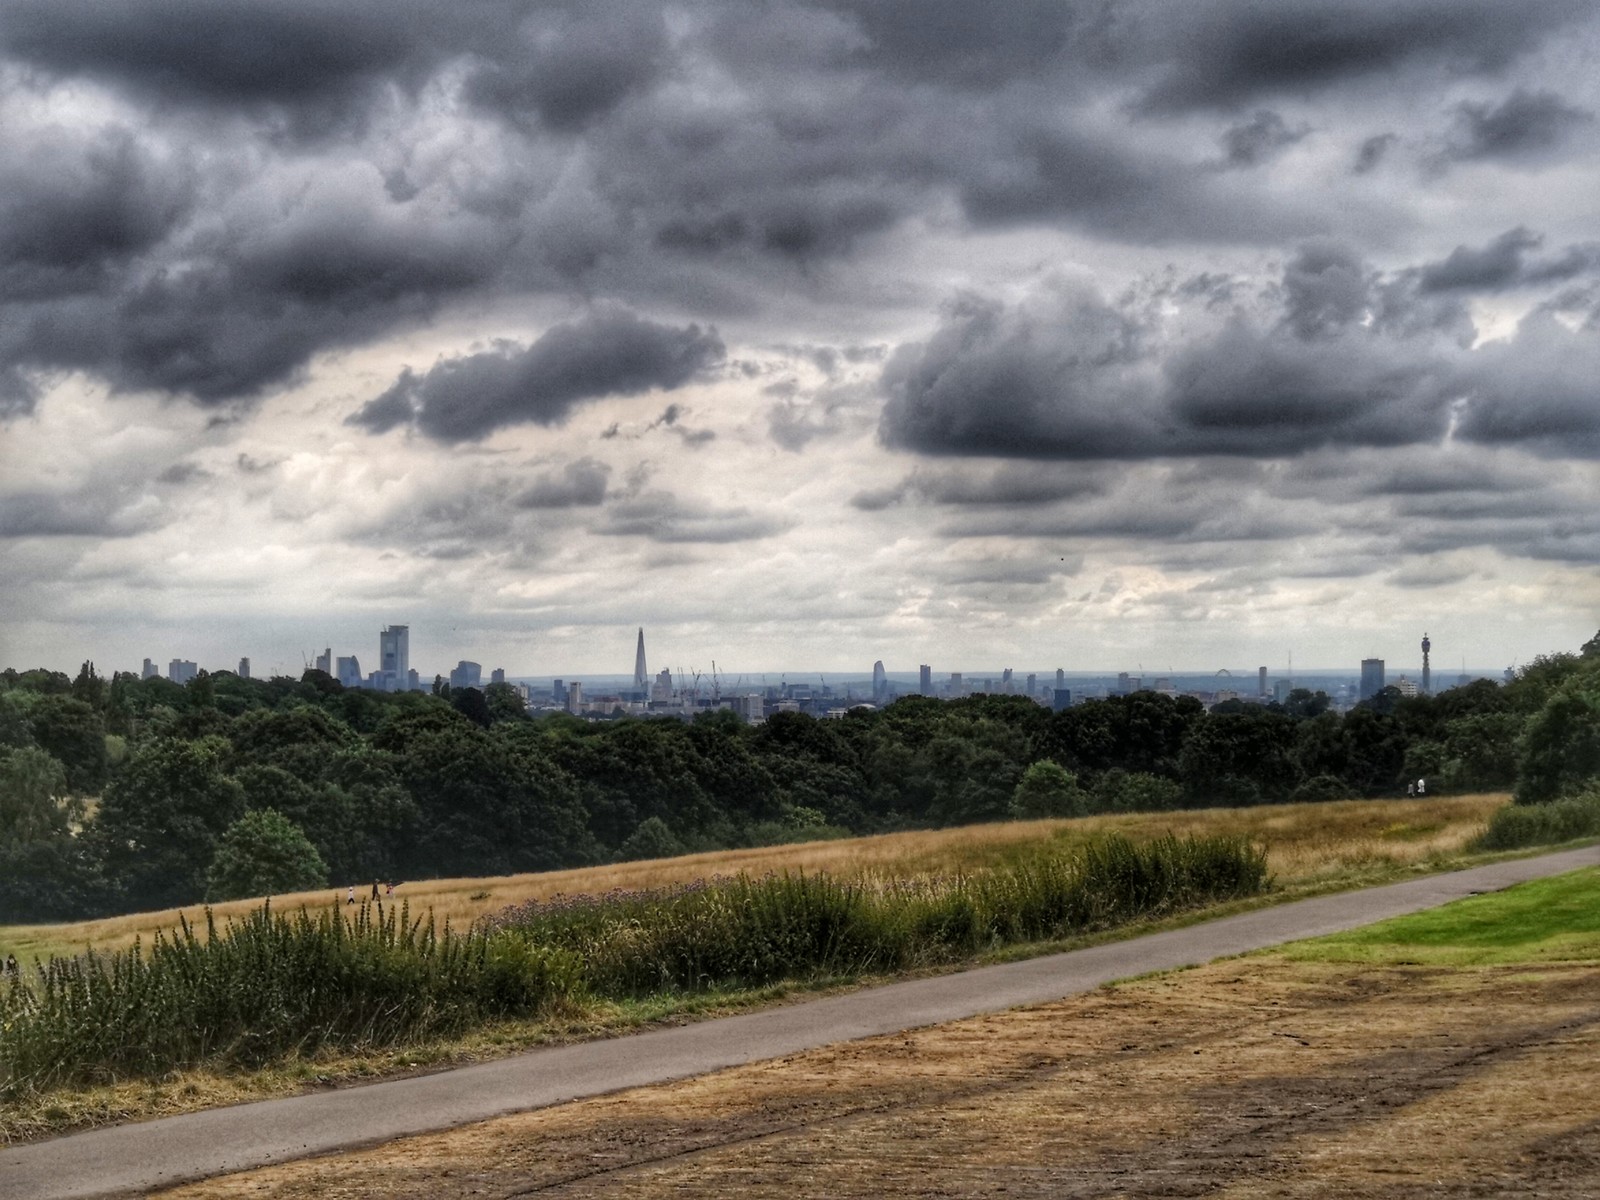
(124, 794)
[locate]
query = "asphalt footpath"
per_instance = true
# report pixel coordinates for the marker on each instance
(129, 1159)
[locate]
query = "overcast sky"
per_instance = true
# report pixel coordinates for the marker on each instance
(1036, 334)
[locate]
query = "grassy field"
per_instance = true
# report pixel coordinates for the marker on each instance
(1308, 845)
(1446, 1054)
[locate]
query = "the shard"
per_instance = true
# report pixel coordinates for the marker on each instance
(641, 677)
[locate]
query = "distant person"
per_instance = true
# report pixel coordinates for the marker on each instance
(391, 889)
(1422, 787)
(12, 970)
(374, 889)
(1411, 790)
(350, 898)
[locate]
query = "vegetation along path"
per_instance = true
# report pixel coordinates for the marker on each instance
(138, 1157)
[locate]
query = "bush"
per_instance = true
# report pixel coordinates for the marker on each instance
(1047, 789)
(1135, 791)
(1519, 825)
(1321, 788)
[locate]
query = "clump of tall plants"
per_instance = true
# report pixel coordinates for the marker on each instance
(744, 931)
(264, 988)
(272, 986)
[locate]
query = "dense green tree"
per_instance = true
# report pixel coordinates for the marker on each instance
(653, 839)
(55, 878)
(1134, 791)
(1047, 789)
(160, 820)
(264, 853)
(72, 733)
(34, 801)
(89, 687)
(470, 703)
(1561, 747)
(505, 703)
(1239, 758)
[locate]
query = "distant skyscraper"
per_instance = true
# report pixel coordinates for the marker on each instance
(1371, 677)
(558, 693)
(1261, 682)
(1427, 671)
(1061, 699)
(880, 682)
(1061, 678)
(244, 668)
(1033, 683)
(498, 675)
(466, 675)
(1007, 684)
(394, 654)
(925, 679)
(181, 670)
(349, 671)
(150, 670)
(574, 696)
(641, 674)
(956, 686)
(325, 661)
(1124, 683)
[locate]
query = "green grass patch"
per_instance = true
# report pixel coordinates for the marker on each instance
(1544, 921)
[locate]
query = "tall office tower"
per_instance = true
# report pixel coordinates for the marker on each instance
(181, 670)
(641, 675)
(558, 693)
(956, 686)
(1427, 672)
(1007, 684)
(244, 668)
(925, 679)
(1061, 678)
(663, 686)
(1033, 684)
(325, 661)
(413, 681)
(1261, 684)
(880, 682)
(466, 675)
(498, 675)
(1124, 683)
(574, 696)
(394, 654)
(1061, 699)
(349, 671)
(150, 670)
(1371, 677)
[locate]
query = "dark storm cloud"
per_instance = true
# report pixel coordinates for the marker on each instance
(578, 484)
(1373, 151)
(106, 512)
(609, 352)
(1226, 53)
(1504, 263)
(1539, 387)
(1263, 137)
(1526, 127)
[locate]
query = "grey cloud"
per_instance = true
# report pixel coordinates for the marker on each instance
(662, 517)
(1373, 151)
(577, 483)
(1538, 388)
(609, 352)
(1263, 137)
(1526, 127)
(1328, 288)
(109, 512)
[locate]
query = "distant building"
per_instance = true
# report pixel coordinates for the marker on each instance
(1124, 683)
(925, 679)
(413, 681)
(956, 685)
(325, 661)
(661, 689)
(750, 707)
(1427, 670)
(1007, 684)
(244, 668)
(498, 675)
(574, 697)
(181, 670)
(1061, 678)
(641, 674)
(348, 671)
(1371, 677)
(1261, 681)
(1281, 689)
(394, 657)
(1033, 684)
(1407, 687)
(150, 670)
(880, 682)
(466, 675)
(558, 693)
(1062, 698)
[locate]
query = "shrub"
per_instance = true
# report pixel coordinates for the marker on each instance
(1519, 825)
(1047, 789)
(264, 853)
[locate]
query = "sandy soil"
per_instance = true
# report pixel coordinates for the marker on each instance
(1251, 1078)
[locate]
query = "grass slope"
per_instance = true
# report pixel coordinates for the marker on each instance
(1554, 920)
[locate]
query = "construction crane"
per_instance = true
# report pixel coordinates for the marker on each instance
(716, 684)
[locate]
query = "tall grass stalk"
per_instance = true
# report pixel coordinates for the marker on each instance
(270, 985)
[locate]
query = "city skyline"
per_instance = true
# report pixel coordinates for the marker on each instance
(815, 334)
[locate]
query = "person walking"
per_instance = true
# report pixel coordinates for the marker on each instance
(350, 898)
(374, 889)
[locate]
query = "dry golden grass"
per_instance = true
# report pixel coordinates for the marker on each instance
(1307, 844)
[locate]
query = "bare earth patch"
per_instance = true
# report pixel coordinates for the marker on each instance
(1255, 1077)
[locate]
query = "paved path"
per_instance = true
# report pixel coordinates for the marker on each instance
(134, 1158)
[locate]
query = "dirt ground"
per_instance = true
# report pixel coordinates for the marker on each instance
(1251, 1078)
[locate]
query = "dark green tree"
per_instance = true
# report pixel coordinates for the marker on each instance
(34, 802)
(264, 853)
(72, 733)
(1047, 789)
(1561, 748)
